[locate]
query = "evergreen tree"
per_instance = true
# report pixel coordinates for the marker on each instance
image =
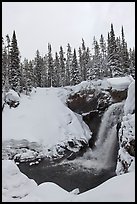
(68, 65)
(112, 53)
(119, 57)
(96, 61)
(75, 70)
(80, 63)
(83, 62)
(4, 66)
(102, 47)
(14, 71)
(124, 54)
(132, 62)
(62, 67)
(50, 67)
(27, 76)
(103, 56)
(37, 69)
(56, 70)
(30, 77)
(24, 68)
(44, 72)
(88, 61)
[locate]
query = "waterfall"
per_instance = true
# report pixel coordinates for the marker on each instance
(110, 118)
(106, 145)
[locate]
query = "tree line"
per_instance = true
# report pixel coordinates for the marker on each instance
(108, 58)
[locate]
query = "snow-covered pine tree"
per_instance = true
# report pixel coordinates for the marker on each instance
(75, 70)
(80, 63)
(83, 62)
(62, 67)
(56, 70)
(132, 62)
(103, 53)
(68, 65)
(50, 67)
(14, 70)
(88, 63)
(112, 63)
(7, 85)
(28, 76)
(103, 48)
(44, 72)
(124, 54)
(37, 69)
(24, 67)
(119, 58)
(96, 61)
(4, 64)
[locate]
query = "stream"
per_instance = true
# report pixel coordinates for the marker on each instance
(67, 174)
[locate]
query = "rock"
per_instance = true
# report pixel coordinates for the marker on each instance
(12, 99)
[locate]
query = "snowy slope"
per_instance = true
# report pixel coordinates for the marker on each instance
(43, 118)
(117, 189)
(130, 101)
(16, 187)
(126, 153)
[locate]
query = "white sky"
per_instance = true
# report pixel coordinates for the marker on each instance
(59, 23)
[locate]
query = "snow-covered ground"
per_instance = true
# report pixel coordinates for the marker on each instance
(16, 187)
(43, 118)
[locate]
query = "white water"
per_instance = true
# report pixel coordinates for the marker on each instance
(102, 157)
(110, 118)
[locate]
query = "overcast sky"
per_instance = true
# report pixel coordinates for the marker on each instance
(59, 23)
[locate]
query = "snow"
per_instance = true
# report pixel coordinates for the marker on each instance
(16, 187)
(119, 83)
(11, 95)
(127, 133)
(43, 118)
(117, 189)
(115, 83)
(47, 192)
(130, 101)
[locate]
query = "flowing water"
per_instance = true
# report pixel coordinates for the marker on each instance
(90, 170)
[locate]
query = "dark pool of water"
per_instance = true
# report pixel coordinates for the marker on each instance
(67, 175)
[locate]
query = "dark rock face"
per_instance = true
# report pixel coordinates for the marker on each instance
(93, 120)
(86, 101)
(118, 96)
(131, 148)
(13, 104)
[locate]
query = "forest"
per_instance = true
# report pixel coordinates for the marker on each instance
(105, 58)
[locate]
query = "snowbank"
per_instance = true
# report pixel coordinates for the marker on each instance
(130, 101)
(44, 119)
(126, 153)
(11, 96)
(16, 187)
(117, 189)
(47, 192)
(119, 83)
